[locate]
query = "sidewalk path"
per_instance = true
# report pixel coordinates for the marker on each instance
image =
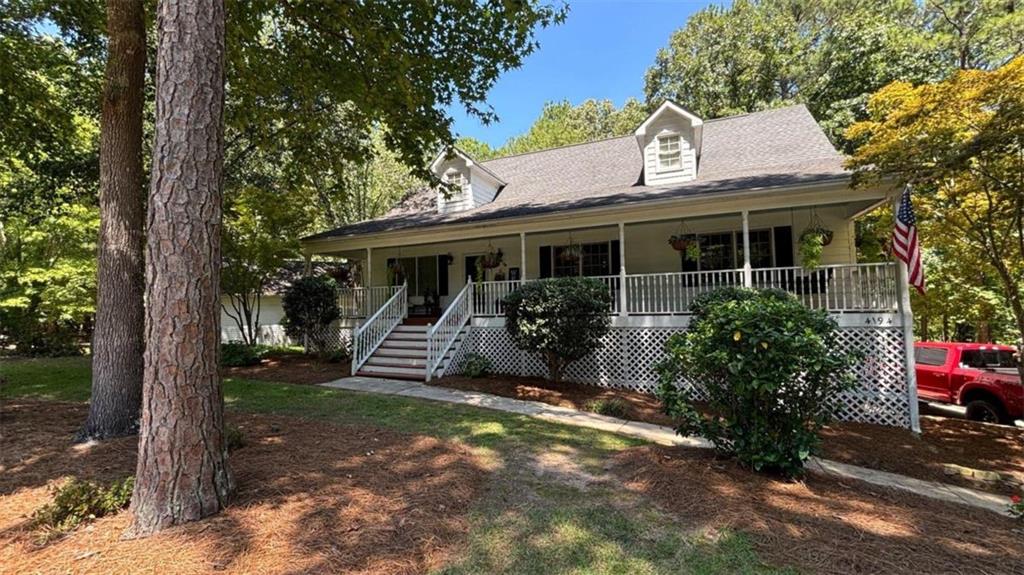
(662, 435)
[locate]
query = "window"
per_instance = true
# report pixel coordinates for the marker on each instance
(760, 248)
(594, 260)
(716, 252)
(988, 358)
(930, 355)
(419, 273)
(456, 179)
(724, 251)
(670, 155)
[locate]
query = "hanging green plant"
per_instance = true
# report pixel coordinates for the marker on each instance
(811, 246)
(692, 252)
(491, 259)
(571, 253)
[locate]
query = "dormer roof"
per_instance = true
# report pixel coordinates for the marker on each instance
(670, 107)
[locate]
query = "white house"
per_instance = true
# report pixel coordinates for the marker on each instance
(744, 189)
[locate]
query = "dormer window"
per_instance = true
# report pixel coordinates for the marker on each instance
(670, 156)
(457, 179)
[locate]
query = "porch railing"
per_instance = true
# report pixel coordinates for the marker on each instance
(672, 293)
(488, 297)
(837, 288)
(361, 302)
(861, 287)
(370, 334)
(442, 334)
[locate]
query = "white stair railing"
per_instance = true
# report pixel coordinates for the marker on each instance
(442, 334)
(367, 337)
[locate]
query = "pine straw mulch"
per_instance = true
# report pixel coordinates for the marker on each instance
(312, 497)
(292, 368)
(822, 525)
(943, 440)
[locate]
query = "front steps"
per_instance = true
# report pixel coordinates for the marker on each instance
(403, 354)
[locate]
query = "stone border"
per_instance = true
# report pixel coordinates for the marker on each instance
(662, 435)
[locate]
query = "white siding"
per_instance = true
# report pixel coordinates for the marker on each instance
(477, 191)
(271, 331)
(669, 123)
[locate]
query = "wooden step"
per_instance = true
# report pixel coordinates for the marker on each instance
(383, 360)
(393, 371)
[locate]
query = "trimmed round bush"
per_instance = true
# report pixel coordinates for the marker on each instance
(771, 370)
(562, 319)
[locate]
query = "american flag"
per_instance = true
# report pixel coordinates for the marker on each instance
(904, 241)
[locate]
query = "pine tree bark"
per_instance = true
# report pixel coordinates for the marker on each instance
(117, 337)
(182, 472)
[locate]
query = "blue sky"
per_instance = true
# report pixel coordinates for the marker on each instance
(601, 51)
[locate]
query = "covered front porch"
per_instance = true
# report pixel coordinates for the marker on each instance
(646, 275)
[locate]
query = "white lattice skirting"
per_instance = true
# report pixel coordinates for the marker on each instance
(628, 357)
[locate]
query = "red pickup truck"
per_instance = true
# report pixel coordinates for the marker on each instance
(981, 377)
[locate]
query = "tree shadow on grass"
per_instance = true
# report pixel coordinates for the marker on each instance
(823, 525)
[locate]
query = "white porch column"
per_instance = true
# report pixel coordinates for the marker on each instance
(907, 318)
(622, 269)
(748, 273)
(369, 267)
(522, 256)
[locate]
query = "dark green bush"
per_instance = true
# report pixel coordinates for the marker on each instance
(562, 319)
(310, 306)
(237, 354)
(613, 407)
(77, 501)
(476, 365)
(233, 437)
(770, 368)
(26, 333)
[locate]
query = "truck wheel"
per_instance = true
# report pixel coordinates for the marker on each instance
(986, 411)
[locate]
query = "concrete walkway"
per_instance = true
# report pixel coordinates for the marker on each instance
(662, 435)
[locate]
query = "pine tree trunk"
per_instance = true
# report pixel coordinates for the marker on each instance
(182, 472)
(117, 339)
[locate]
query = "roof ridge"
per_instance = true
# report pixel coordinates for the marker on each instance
(562, 147)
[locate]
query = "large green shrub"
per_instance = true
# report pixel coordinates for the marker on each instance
(562, 319)
(310, 305)
(770, 369)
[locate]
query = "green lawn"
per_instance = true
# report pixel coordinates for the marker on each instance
(525, 523)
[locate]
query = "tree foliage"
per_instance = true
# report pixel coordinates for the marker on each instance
(770, 369)
(562, 319)
(960, 144)
(828, 54)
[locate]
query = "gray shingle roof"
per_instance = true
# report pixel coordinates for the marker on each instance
(772, 148)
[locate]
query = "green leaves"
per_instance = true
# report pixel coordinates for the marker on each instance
(563, 319)
(770, 369)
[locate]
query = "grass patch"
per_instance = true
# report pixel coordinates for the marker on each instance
(526, 523)
(560, 529)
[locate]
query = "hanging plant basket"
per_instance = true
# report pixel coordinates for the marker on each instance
(570, 253)
(491, 259)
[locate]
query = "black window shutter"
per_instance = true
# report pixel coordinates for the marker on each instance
(783, 246)
(616, 262)
(545, 262)
(442, 275)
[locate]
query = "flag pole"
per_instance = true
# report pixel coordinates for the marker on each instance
(907, 319)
